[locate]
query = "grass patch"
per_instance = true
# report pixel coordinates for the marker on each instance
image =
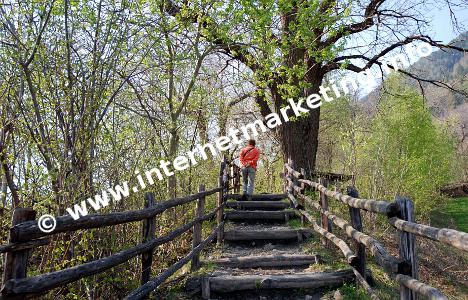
(453, 214)
(295, 223)
(350, 292)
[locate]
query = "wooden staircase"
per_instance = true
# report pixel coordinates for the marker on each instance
(263, 257)
(258, 205)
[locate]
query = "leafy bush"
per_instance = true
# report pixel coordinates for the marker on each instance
(407, 152)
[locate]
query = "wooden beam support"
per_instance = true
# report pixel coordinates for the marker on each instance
(356, 222)
(144, 290)
(219, 203)
(256, 215)
(255, 205)
(259, 197)
(326, 224)
(16, 263)
(197, 228)
(293, 172)
(363, 283)
(407, 247)
(149, 229)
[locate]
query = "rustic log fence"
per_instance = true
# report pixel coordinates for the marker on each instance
(400, 214)
(25, 235)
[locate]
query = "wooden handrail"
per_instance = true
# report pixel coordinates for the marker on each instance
(377, 206)
(24, 237)
(41, 283)
(142, 291)
(385, 260)
(331, 176)
(455, 238)
(293, 172)
(29, 230)
(420, 288)
(347, 252)
(400, 215)
(363, 283)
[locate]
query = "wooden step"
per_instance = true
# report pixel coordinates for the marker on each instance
(308, 281)
(260, 215)
(273, 234)
(258, 205)
(267, 261)
(259, 197)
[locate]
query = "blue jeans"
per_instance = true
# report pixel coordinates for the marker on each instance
(248, 179)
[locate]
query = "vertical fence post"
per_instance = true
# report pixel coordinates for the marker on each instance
(238, 176)
(356, 222)
(302, 184)
(197, 228)
(326, 224)
(291, 176)
(233, 180)
(230, 175)
(226, 176)
(407, 245)
(219, 215)
(287, 185)
(285, 182)
(303, 189)
(149, 229)
(16, 263)
(292, 165)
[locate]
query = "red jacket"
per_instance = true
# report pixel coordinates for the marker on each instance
(249, 156)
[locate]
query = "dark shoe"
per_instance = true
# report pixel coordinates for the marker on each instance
(249, 198)
(244, 197)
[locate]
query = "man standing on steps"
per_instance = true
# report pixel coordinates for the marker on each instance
(248, 159)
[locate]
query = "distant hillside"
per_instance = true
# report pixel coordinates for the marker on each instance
(449, 66)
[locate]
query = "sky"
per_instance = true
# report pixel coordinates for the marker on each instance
(442, 28)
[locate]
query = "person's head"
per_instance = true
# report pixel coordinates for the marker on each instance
(252, 143)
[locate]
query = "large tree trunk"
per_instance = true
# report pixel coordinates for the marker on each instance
(299, 137)
(299, 140)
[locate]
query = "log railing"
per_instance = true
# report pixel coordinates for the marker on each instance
(400, 214)
(25, 235)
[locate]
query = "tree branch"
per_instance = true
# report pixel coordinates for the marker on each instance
(370, 12)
